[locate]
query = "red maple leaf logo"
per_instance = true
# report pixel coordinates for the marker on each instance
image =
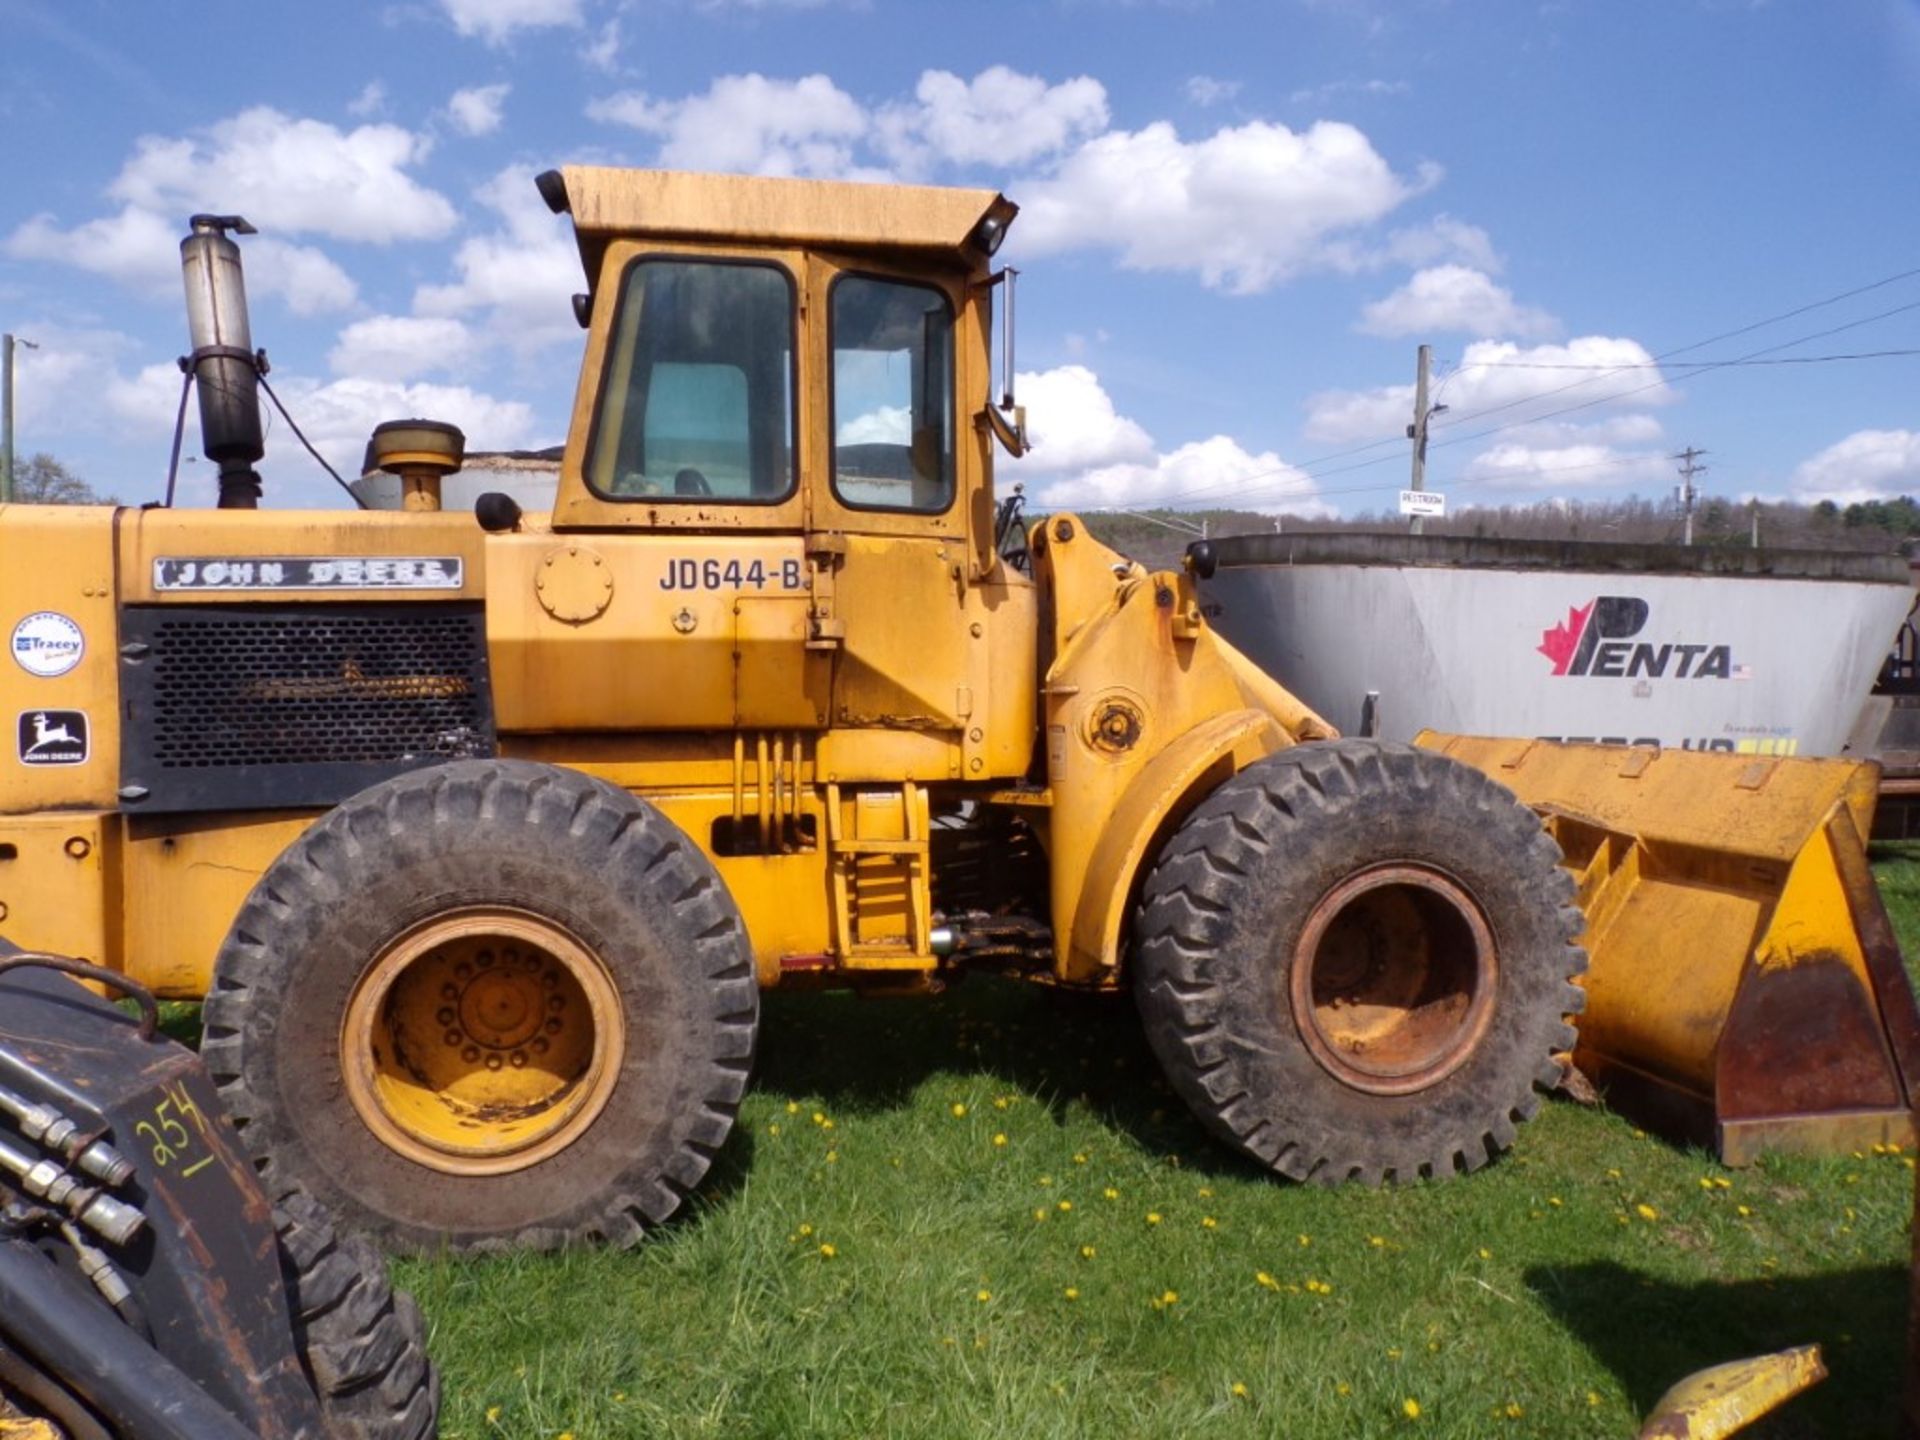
(1559, 643)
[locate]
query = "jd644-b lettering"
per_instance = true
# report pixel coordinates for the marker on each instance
(711, 574)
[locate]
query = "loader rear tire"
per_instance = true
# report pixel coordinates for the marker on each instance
(1355, 962)
(489, 1005)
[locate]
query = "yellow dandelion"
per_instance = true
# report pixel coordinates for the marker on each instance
(1071, 1292)
(1305, 1239)
(818, 1118)
(1706, 1182)
(619, 1397)
(1000, 1102)
(1111, 1193)
(1514, 1410)
(1395, 1353)
(1378, 1242)
(1554, 1200)
(1237, 1390)
(774, 1129)
(1593, 1398)
(1000, 1139)
(827, 1124)
(564, 1435)
(1170, 1297)
(1410, 1408)
(793, 1107)
(1153, 1217)
(1742, 1211)
(1720, 1182)
(1646, 1211)
(1087, 1252)
(1207, 1222)
(805, 1228)
(1079, 1158)
(1039, 1214)
(1066, 1205)
(959, 1110)
(1341, 1387)
(983, 1296)
(1262, 1278)
(1613, 1174)
(827, 1252)
(833, 1157)
(1046, 1180)
(493, 1414)
(1206, 1192)
(1485, 1254)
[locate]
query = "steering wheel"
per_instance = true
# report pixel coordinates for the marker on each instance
(689, 481)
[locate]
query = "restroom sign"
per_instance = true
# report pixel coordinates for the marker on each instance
(1422, 502)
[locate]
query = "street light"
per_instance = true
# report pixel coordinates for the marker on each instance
(7, 342)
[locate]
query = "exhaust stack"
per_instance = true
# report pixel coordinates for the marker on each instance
(223, 363)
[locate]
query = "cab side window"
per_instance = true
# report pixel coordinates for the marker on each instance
(893, 430)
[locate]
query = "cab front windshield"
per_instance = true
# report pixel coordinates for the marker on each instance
(698, 403)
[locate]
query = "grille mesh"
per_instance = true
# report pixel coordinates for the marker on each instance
(316, 686)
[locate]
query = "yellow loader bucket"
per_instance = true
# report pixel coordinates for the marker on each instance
(1744, 987)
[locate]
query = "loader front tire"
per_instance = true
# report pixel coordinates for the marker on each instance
(362, 1343)
(1355, 962)
(488, 1005)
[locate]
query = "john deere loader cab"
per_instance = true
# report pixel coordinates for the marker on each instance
(484, 831)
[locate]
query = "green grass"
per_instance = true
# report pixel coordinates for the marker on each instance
(1536, 1298)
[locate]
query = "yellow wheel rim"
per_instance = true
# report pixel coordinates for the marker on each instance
(482, 1041)
(1393, 979)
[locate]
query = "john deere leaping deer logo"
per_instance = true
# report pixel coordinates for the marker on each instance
(1596, 639)
(53, 737)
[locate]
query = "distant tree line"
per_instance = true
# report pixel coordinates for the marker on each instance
(43, 480)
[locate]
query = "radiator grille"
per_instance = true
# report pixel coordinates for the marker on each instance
(308, 701)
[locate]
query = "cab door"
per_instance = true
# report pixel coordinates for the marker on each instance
(888, 531)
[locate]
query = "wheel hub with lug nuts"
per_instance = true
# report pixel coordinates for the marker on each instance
(482, 1041)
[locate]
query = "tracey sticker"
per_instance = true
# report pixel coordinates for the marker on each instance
(53, 737)
(47, 643)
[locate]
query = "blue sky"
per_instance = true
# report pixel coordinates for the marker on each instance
(1239, 221)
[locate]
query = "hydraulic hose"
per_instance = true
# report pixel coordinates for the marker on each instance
(69, 1333)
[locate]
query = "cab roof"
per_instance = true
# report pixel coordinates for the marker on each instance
(608, 204)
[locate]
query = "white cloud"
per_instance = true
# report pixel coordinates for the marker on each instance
(1245, 207)
(477, 111)
(602, 53)
(1205, 90)
(141, 250)
(1320, 94)
(1565, 468)
(998, 118)
(291, 176)
(371, 100)
(402, 347)
(748, 124)
(1086, 455)
(1506, 383)
(519, 276)
(1442, 240)
(888, 425)
(495, 20)
(1073, 425)
(1453, 298)
(1866, 465)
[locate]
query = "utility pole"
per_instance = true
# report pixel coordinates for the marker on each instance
(1685, 492)
(1417, 431)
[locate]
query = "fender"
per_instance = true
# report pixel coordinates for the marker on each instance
(1170, 785)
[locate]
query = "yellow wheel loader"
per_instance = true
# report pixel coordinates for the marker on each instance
(482, 831)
